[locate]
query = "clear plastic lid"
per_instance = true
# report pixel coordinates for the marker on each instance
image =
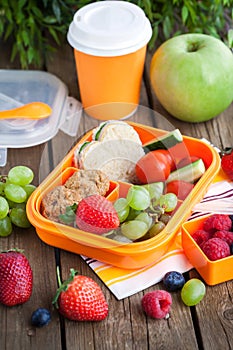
(109, 28)
(18, 87)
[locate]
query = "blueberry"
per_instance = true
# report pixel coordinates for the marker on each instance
(231, 248)
(231, 217)
(173, 281)
(40, 317)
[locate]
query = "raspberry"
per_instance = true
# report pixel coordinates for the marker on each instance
(226, 236)
(216, 248)
(156, 304)
(201, 236)
(217, 222)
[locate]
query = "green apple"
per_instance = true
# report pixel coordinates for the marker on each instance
(192, 76)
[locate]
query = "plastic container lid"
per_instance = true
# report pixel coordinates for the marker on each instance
(109, 28)
(18, 87)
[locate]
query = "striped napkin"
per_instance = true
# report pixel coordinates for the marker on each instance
(123, 283)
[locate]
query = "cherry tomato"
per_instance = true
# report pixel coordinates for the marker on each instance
(153, 167)
(180, 188)
(169, 157)
(187, 160)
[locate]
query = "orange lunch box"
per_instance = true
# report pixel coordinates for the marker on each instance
(213, 272)
(131, 255)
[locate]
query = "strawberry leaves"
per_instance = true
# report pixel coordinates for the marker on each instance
(62, 287)
(69, 216)
(80, 298)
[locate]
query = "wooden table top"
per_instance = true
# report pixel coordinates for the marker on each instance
(207, 326)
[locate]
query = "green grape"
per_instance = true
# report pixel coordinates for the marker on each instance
(168, 201)
(165, 218)
(2, 187)
(134, 229)
(145, 217)
(19, 218)
(122, 239)
(4, 207)
(193, 292)
(20, 175)
(5, 227)
(29, 189)
(16, 205)
(15, 193)
(138, 197)
(155, 189)
(122, 208)
(156, 228)
(132, 214)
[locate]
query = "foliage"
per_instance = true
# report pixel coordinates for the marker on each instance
(31, 24)
(36, 27)
(169, 18)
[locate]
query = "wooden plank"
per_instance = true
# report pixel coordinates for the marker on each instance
(174, 333)
(213, 316)
(41, 258)
(126, 327)
(206, 326)
(218, 309)
(16, 331)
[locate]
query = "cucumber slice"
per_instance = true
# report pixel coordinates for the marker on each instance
(83, 146)
(190, 173)
(96, 138)
(164, 142)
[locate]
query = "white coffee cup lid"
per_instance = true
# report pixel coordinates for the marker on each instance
(109, 28)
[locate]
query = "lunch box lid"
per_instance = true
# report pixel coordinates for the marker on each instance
(18, 87)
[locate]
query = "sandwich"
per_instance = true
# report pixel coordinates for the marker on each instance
(115, 149)
(115, 130)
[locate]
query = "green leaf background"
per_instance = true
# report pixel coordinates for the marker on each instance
(37, 27)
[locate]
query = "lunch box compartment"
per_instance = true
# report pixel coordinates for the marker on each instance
(131, 255)
(213, 272)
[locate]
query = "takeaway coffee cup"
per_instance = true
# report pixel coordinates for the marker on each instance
(109, 40)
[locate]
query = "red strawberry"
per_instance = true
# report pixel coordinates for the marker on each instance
(227, 164)
(15, 278)
(96, 214)
(81, 299)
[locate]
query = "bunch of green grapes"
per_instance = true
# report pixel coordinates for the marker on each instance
(144, 212)
(15, 189)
